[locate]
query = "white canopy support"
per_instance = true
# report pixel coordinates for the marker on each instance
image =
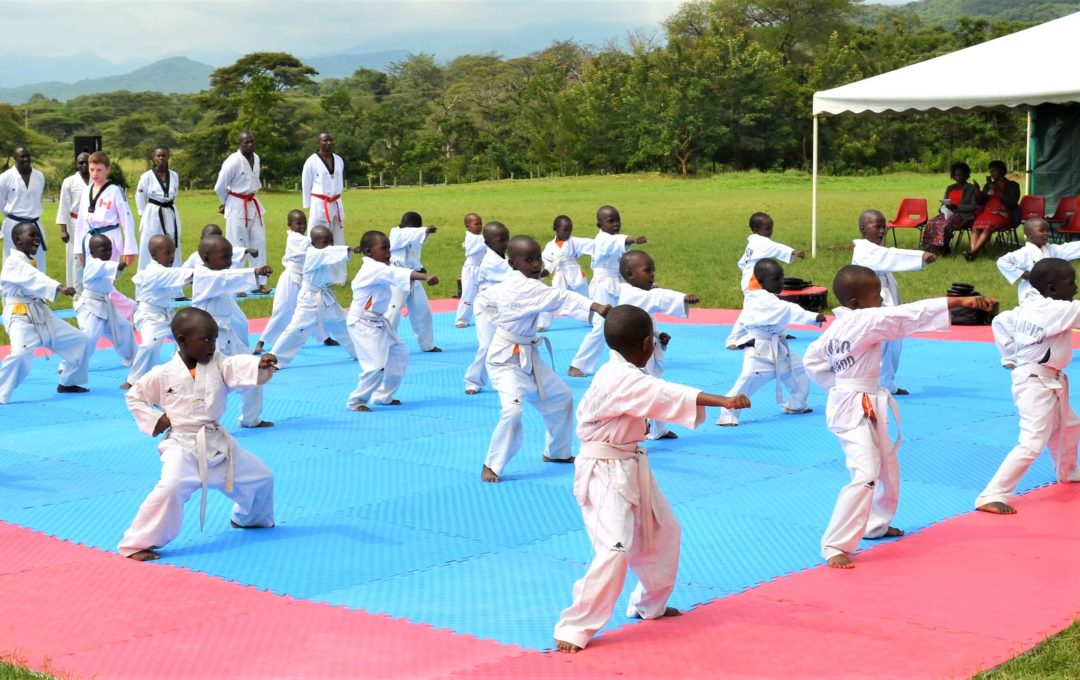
(813, 196)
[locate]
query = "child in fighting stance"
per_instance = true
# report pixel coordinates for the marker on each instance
(95, 310)
(474, 254)
(406, 241)
(561, 261)
(493, 269)
(288, 283)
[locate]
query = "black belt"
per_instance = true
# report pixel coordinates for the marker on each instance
(161, 218)
(36, 220)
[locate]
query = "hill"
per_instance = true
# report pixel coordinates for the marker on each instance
(173, 75)
(948, 11)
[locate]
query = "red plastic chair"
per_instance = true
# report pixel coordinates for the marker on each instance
(1062, 214)
(913, 214)
(1070, 228)
(1032, 206)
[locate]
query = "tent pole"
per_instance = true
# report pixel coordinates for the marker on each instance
(813, 195)
(1027, 149)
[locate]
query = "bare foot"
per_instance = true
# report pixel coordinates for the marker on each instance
(461, 324)
(258, 348)
(841, 561)
(241, 295)
(575, 372)
(891, 532)
(126, 386)
(471, 390)
(261, 423)
(394, 402)
(541, 329)
(559, 460)
(566, 647)
(330, 342)
(797, 411)
(144, 556)
(901, 392)
(71, 389)
(361, 408)
(668, 435)
(241, 526)
(488, 475)
(671, 611)
(434, 349)
(261, 290)
(997, 508)
(727, 424)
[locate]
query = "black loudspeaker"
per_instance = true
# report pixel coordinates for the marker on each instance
(87, 144)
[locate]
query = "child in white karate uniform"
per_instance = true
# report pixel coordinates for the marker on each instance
(212, 290)
(185, 398)
(765, 318)
(30, 324)
(1041, 348)
(846, 361)
(1016, 265)
(608, 247)
(382, 355)
(155, 287)
(629, 522)
(869, 252)
(406, 242)
(759, 246)
(493, 269)
(639, 289)
(474, 254)
(238, 253)
(561, 261)
(517, 371)
(95, 310)
(317, 309)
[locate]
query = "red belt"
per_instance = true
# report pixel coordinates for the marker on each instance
(74, 215)
(327, 200)
(247, 198)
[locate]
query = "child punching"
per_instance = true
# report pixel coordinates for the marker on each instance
(493, 269)
(406, 241)
(629, 522)
(95, 307)
(561, 261)
(474, 254)
(382, 355)
(1016, 265)
(517, 371)
(846, 361)
(764, 318)
(1039, 342)
(185, 398)
(30, 323)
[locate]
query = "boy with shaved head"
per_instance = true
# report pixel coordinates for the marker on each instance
(96, 308)
(185, 398)
(1016, 265)
(629, 522)
(474, 255)
(846, 361)
(493, 269)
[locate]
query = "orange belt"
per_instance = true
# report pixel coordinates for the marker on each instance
(247, 198)
(327, 200)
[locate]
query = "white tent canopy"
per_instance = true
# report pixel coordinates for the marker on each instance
(1031, 67)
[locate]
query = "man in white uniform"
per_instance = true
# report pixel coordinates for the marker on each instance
(67, 214)
(237, 183)
(155, 201)
(20, 194)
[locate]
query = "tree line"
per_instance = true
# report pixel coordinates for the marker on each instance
(726, 85)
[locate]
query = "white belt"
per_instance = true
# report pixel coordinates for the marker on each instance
(775, 342)
(320, 308)
(880, 402)
(606, 451)
(528, 343)
(211, 440)
(111, 315)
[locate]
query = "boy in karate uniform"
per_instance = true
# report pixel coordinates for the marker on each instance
(517, 372)
(629, 522)
(155, 287)
(846, 361)
(97, 314)
(195, 260)
(608, 247)
(474, 254)
(316, 307)
(155, 199)
(561, 260)
(406, 242)
(186, 398)
(212, 289)
(764, 318)
(1041, 347)
(30, 323)
(884, 261)
(493, 269)
(104, 210)
(1016, 265)
(638, 289)
(382, 355)
(288, 283)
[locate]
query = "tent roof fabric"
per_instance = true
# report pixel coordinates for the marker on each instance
(1030, 67)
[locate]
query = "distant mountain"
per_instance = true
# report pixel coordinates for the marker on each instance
(33, 67)
(176, 74)
(344, 65)
(948, 11)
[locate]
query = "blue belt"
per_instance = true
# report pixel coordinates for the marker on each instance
(94, 231)
(36, 220)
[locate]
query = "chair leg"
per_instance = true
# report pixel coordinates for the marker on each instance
(893, 230)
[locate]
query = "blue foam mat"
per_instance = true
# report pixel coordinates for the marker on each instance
(384, 511)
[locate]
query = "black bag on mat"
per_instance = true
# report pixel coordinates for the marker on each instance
(962, 316)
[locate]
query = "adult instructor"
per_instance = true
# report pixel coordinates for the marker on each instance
(237, 184)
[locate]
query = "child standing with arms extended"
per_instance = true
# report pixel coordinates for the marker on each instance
(406, 241)
(474, 254)
(1016, 266)
(288, 283)
(97, 313)
(186, 398)
(846, 361)
(608, 247)
(561, 260)
(629, 522)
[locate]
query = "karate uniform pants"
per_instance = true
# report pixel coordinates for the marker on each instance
(419, 314)
(153, 331)
(515, 387)
(250, 233)
(251, 398)
(614, 527)
(304, 324)
(1040, 427)
(594, 347)
(284, 308)
(758, 371)
(39, 257)
(383, 359)
(97, 328)
(655, 428)
(469, 289)
(890, 363)
(73, 269)
(317, 218)
(161, 515)
(867, 505)
(476, 375)
(67, 341)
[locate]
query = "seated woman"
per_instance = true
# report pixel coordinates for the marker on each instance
(957, 211)
(1000, 201)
